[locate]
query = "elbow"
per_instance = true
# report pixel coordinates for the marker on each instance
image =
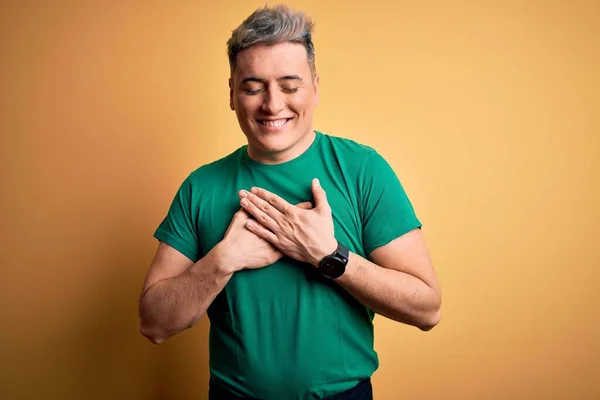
(159, 333)
(432, 317)
(148, 326)
(154, 335)
(153, 331)
(154, 339)
(430, 321)
(150, 329)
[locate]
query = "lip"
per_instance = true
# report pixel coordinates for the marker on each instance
(272, 128)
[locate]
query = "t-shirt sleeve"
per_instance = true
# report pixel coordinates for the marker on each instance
(386, 210)
(178, 229)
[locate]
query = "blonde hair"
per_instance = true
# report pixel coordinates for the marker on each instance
(272, 25)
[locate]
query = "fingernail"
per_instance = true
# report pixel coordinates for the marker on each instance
(317, 183)
(244, 202)
(243, 193)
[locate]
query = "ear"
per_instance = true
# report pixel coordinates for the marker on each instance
(231, 105)
(316, 86)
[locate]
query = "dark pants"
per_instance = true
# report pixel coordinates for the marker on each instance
(362, 391)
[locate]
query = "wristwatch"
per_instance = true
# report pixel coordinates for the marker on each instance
(334, 265)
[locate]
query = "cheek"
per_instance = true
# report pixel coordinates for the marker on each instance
(239, 108)
(246, 106)
(302, 105)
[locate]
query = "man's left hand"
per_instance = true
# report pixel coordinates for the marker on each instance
(305, 235)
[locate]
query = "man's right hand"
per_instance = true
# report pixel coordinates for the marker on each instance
(245, 250)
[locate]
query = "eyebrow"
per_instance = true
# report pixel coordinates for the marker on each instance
(283, 78)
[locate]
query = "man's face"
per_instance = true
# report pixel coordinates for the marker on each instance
(273, 94)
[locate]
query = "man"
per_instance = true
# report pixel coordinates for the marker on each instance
(290, 244)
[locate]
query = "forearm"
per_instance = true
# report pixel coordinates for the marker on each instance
(175, 304)
(393, 294)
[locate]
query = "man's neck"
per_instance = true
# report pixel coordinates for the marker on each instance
(296, 150)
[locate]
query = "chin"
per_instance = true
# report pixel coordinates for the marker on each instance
(273, 144)
(273, 141)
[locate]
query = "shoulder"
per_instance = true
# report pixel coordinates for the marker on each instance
(348, 152)
(347, 145)
(359, 158)
(363, 161)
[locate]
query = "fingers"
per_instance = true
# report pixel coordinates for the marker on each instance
(319, 195)
(275, 201)
(261, 232)
(260, 209)
(268, 208)
(307, 205)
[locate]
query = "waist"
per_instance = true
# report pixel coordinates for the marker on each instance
(363, 390)
(305, 363)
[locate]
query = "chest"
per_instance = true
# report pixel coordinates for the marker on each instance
(220, 201)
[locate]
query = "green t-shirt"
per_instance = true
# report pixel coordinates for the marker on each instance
(284, 331)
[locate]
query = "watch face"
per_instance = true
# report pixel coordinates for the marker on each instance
(328, 266)
(331, 268)
(334, 266)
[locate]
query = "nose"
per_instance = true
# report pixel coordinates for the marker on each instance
(273, 101)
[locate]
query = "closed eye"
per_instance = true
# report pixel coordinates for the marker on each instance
(284, 89)
(252, 92)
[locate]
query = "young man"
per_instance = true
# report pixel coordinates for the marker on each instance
(291, 243)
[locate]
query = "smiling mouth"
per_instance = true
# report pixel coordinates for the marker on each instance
(274, 123)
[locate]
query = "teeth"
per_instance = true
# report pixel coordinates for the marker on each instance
(278, 122)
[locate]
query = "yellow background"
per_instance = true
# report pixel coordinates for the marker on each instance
(487, 110)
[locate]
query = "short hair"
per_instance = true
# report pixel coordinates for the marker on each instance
(269, 26)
